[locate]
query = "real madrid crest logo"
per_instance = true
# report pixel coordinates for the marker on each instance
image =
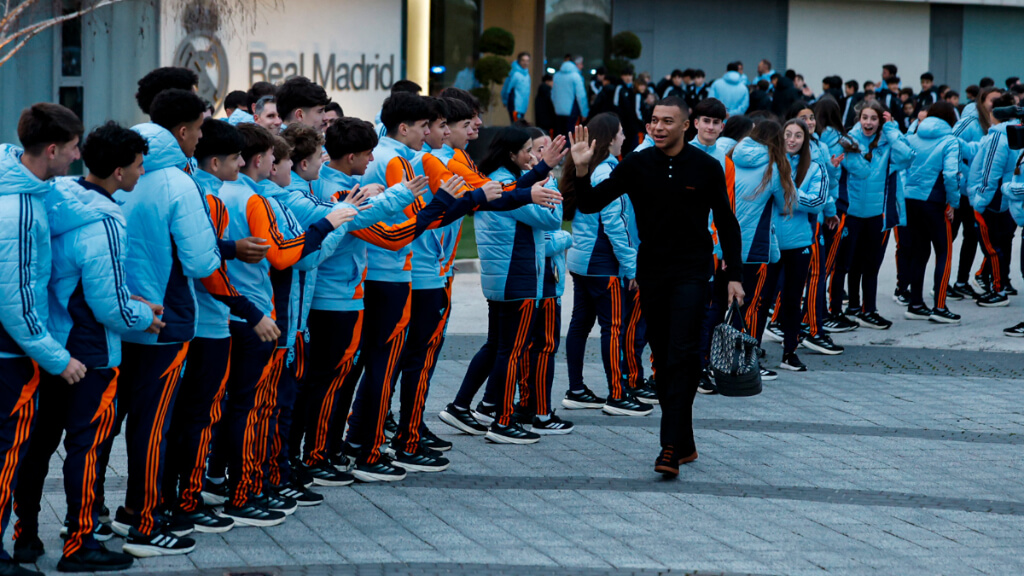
(203, 53)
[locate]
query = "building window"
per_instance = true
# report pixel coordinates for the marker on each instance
(455, 31)
(68, 81)
(577, 28)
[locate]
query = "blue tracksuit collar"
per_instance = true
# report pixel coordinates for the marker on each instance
(164, 151)
(696, 143)
(96, 188)
(398, 148)
(208, 182)
(337, 177)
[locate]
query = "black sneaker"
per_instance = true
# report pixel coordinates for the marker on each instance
(95, 560)
(301, 495)
(645, 393)
(28, 549)
(917, 312)
(993, 300)
(424, 460)
(873, 320)
(122, 523)
(523, 415)
(984, 282)
(822, 344)
(626, 406)
(430, 440)
(485, 414)
(774, 332)
(341, 462)
(511, 434)
(381, 471)
(214, 494)
(11, 568)
(944, 316)
(1015, 331)
(324, 474)
(792, 362)
(837, 323)
(390, 426)
(667, 463)
(851, 313)
(207, 521)
(159, 543)
(300, 475)
(901, 297)
(964, 290)
(582, 400)
(706, 384)
(951, 293)
(276, 502)
(252, 514)
(553, 425)
(100, 533)
(1008, 289)
(462, 419)
(768, 375)
(103, 515)
(174, 523)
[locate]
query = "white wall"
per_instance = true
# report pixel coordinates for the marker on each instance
(854, 40)
(276, 45)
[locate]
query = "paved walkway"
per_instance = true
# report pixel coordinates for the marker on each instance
(899, 459)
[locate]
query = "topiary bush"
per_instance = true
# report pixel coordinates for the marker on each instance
(626, 45)
(498, 41)
(492, 69)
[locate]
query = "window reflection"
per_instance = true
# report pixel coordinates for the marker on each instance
(577, 27)
(455, 26)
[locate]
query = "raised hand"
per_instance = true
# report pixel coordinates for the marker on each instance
(582, 149)
(357, 197)
(454, 186)
(251, 249)
(417, 185)
(555, 152)
(837, 160)
(886, 117)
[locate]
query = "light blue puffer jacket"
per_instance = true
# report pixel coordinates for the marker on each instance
(240, 116)
(823, 147)
(555, 247)
(90, 304)
(796, 230)
(511, 246)
(25, 255)
(732, 91)
(992, 166)
(339, 279)
(936, 171)
(518, 84)
(568, 89)
(872, 187)
(601, 244)
(391, 265)
(171, 238)
(755, 210)
(1013, 191)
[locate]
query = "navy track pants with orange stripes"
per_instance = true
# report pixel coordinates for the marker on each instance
(333, 349)
(995, 232)
(197, 410)
(514, 326)
(634, 338)
(427, 321)
(150, 376)
(926, 227)
(281, 390)
(596, 298)
(385, 324)
(19, 379)
(86, 411)
(759, 284)
(248, 395)
(537, 370)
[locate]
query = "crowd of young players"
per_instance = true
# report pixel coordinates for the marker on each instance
(241, 297)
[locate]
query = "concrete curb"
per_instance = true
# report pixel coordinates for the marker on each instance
(467, 266)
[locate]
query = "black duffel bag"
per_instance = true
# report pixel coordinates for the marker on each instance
(735, 357)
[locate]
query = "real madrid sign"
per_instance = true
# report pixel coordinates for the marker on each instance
(203, 53)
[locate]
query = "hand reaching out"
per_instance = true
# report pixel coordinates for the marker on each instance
(492, 190)
(555, 152)
(545, 196)
(251, 250)
(341, 215)
(417, 185)
(582, 149)
(454, 186)
(837, 160)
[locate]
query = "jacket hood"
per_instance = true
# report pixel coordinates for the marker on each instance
(517, 69)
(208, 182)
(750, 154)
(389, 143)
(857, 134)
(829, 137)
(932, 128)
(15, 178)
(569, 67)
(69, 205)
(164, 151)
(732, 77)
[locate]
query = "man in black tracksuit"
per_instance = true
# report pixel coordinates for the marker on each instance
(672, 187)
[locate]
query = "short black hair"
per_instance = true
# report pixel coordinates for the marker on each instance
(986, 82)
(893, 80)
(890, 68)
(677, 73)
(460, 94)
(688, 73)
(710, 108)
(732, 67)
(775, 76)
(791, 74)
(458, 110)
(699, 73)
(907, 91)
(305, 141)
(1017, 89)
(406, 86)
(676, 102)
(174, 107)
(45, 123)
(236, 99)
(349, 136)
(403, 108)
(257, 91)
(161, 79)
(869, 83)
(950, 94)
(299, 92)
(600, 70)
(438, 108)
(972, 91)
(1006, 99)
(928, 76)
(546, 77)
(853, 84)
(112, 146)
(219, 139)
(334, 107)
(521, 54)
(764, 84)
(1012, 80)
(255, 140)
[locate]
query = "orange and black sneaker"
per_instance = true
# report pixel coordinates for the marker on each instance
(667, 463)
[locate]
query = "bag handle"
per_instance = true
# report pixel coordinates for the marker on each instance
(735, 308)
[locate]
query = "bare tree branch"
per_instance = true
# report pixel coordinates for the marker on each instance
(49, 23)
(11, 16)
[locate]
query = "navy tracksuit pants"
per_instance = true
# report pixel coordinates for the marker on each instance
(792, 277)
(996, 231)
(386, 322)
(866, 242)
(633, 338)
(596, 298)
(86, 411)
(334, 338)
(927, 227)
(428, 318)
(963, 218)
(537, 370)
(759, 284)
(19, 379)
(196, 412)
(514, 326)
